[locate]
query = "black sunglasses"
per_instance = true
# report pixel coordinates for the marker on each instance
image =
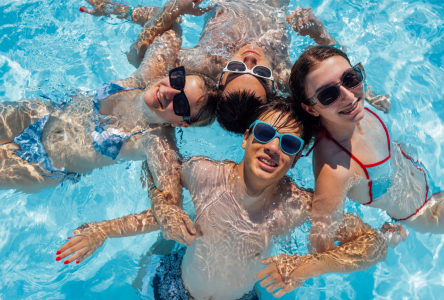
(181, 105)
(328, 95)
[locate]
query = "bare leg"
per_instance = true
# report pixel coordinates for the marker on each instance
(16, 173)
(15, 116)
(139, 15)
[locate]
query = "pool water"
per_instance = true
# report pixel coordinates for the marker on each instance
(49, 49)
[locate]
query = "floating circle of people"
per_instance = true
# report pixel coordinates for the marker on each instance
(239, 74)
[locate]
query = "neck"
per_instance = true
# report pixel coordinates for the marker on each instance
(341, 132)
(252, 192)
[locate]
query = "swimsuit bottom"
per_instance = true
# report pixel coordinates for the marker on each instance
(167, 282)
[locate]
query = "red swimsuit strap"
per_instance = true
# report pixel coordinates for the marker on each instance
(388, 139)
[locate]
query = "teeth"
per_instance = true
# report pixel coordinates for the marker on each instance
(351, 109)
(158, 97)
(267, 162)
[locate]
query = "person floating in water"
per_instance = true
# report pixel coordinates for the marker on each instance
(353, 155)
(243, 45)
(239, 208)
(42, 143)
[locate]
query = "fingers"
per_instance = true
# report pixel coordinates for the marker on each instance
(305, 19)
(310, 13)
(273, 287)
(272, 278)
(285, 290)
(77, 255)
(190, 225)
(69, 244)
(86, 255)
(264, 273)
(207, 9)
(87, 10)
(267, 261)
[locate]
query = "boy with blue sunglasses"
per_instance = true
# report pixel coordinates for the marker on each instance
(239, 208)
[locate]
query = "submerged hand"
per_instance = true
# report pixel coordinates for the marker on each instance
(394, 234)
(105, 8)
(175, 224)
(88, 239)
(307, 24)
(271, 279)
(191, 7)
(381, 102)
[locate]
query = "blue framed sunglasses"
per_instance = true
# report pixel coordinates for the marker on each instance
(264, 133)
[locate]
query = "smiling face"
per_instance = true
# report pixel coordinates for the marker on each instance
(349, 108)
(252, 56)
(159, 98)
(267, 162)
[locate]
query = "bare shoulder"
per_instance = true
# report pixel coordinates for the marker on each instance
(329, 159)
(292, 194)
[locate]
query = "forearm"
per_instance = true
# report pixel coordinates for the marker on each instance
(130, 225)
(155, 26)
(324, 39)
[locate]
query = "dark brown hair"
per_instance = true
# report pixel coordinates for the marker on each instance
(307, 62)
(208, 102)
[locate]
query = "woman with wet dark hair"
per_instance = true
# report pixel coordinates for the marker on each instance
(353, 155)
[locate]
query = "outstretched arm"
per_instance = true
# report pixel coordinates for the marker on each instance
(362, 248)
(161, 22)
(138, 14)
(90, 236)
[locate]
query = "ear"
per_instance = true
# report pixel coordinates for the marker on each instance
(310, 110)
(180, 124)
(295, 160)
(245, 140)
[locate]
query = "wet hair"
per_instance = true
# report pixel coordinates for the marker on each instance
(307, 62)
(238, 110)
(235, 110)
(207, 103)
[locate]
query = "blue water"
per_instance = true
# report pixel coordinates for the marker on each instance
(48, 47)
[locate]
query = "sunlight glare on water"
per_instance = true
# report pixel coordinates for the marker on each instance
(49, 48)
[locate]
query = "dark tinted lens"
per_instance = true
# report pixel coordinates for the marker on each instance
(290, 144)
(181, 106)
(329, 95)
(264, 132)
(236, 66)
(352, 78)
(262, 71)
(177, 79)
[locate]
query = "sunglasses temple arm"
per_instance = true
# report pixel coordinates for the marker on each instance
(220, 78)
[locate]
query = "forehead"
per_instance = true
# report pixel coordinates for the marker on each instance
(284, 123)
(327, 72)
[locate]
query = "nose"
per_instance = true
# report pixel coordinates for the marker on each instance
(273, 147)
(169, 93)
(345, 94)
(250, 61)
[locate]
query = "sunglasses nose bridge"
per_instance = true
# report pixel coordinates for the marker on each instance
(273, 146)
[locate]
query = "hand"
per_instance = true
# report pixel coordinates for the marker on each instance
(105, 8)
(175, 224)
(191, 7)
(381, 102)
(307, 24)
(272, 280)
(394, 234)
(88, 239)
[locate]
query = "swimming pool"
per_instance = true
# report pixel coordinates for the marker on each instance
(49, 48)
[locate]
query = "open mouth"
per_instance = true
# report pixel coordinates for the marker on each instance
(157, 98)
(352, 109)
(268, 162)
